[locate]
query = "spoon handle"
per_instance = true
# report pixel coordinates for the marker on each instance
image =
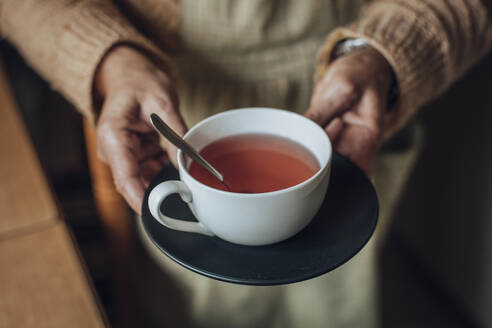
(176, 140)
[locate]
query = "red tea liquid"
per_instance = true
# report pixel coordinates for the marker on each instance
(255, 163)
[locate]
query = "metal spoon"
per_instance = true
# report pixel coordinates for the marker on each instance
(176, 140)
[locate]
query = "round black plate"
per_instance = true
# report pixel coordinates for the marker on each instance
(341, 228)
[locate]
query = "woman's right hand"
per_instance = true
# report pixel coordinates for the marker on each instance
(131, 88)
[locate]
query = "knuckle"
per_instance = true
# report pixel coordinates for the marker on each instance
(346, 87)
(103, 127)
(161, 101)
(314, 115)
(128, 90)
(123, 96)
(106, 136)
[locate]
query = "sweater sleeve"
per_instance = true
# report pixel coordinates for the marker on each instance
(65, 40)
(428, 43)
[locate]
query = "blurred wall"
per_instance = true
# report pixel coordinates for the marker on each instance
(446, 214)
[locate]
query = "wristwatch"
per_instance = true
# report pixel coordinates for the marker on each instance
(348, 45)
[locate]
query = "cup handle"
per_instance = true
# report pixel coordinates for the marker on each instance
(161, 192)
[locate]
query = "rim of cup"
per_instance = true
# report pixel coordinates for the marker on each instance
(181, 163)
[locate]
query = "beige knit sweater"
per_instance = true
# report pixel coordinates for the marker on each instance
(429, 43)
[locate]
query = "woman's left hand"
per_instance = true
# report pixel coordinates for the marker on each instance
(349, 102)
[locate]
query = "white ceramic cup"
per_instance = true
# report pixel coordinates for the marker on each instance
(248, 219)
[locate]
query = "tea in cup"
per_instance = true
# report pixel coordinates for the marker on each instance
(255, 163)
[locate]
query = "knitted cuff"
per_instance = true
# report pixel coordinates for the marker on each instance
(88, 35)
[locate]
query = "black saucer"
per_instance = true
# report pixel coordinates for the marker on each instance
(341, 228)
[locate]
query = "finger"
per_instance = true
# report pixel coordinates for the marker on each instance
(369, 111)
(142, 127)
(128, 181)
(163, 160)
(148, 150)
(360, 137)
(153, 155)
(359, 144)
(118, 113)
(125, 169)
(361, 133)
(334, 128)
(330, 99)
(149, 169)
(124, 109)
(166, 110)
